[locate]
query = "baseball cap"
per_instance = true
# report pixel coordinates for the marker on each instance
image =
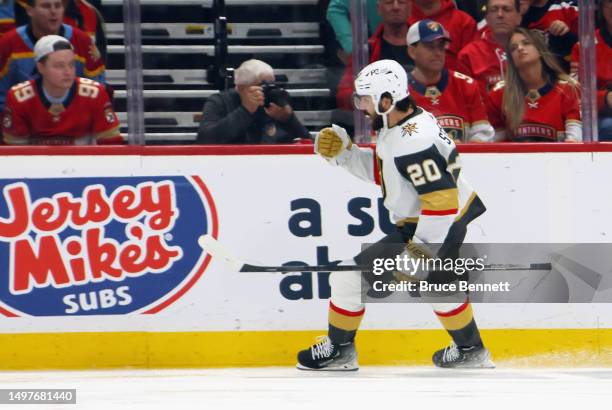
(426, 30)
(48, 44)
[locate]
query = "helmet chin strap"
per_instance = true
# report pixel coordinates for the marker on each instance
(385, 115)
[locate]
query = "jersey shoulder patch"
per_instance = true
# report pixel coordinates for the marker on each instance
(23, 91)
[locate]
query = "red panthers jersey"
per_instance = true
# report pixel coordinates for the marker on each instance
(540, 18)
(484, 60)
(460, 25)
(548, 112)
(456, 103)
(85, 117)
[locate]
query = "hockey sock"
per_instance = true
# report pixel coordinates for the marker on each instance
(460, 325)
(343, 324)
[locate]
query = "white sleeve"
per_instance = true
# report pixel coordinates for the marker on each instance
(481, 132)
(359, 161)
(433, 229)
(573, 131)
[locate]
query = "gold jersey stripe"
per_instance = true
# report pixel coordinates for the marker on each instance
(95, 72)
(440, 200)
(13, 57)
(458, 321)
(344, 322)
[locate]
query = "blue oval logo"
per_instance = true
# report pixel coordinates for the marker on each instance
(101, 246)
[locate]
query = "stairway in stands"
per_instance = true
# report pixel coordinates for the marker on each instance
(178, 48)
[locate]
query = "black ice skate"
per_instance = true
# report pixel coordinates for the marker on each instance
(325, 355)
(453, 357)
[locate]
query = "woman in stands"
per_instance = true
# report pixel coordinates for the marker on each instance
(538, 101)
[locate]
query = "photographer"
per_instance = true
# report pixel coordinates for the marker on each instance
(256, 112)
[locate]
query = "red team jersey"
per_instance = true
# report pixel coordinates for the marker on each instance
(460, 25)
(603, 55)
(484, 60)
(85, 117)
(543, 17)
(547, 112)
(455, 101)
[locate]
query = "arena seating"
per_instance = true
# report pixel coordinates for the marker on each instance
(178, 49)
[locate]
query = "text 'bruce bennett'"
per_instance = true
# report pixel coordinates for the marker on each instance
(424, 286)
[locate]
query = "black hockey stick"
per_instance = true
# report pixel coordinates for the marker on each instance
(213, 247)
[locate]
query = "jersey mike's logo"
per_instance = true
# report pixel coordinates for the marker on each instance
(90, 246)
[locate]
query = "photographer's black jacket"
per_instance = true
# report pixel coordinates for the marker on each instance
(226, 121)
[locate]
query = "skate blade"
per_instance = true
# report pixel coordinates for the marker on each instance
(486, 363)
(348, 367)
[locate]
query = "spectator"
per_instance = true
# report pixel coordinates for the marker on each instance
(7, 16)
(537, 101)
(485, 59)
(339, 17)
(523, 7)
(558, 19)
(46, 16)
(453, 98)
(460, 25)
(603, 56)
(471, 7)
(81, 14)
(78, 13)
(243, 116)
(387, 43)
(59, 108)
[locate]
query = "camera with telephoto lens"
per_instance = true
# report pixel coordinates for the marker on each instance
(274, 94)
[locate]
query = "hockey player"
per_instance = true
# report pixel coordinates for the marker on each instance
(418, 168)
(59, 108)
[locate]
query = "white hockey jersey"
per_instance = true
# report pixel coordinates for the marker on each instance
(418, 168)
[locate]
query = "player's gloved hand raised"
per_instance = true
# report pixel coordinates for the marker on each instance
(331, 141)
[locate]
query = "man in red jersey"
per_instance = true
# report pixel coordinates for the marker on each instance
(460, 25)
(78, 13)
(453, 98)
(59, 108)
(485, 59)
(16, 47)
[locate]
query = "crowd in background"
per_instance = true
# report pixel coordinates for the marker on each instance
(489, 70)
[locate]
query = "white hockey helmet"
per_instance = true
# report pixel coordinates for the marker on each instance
(380, 77)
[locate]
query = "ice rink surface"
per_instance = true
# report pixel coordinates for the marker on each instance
(378, 388)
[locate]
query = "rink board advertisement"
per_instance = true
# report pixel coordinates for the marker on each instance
(102, 250)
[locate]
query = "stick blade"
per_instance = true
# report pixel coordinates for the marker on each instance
(214, 248)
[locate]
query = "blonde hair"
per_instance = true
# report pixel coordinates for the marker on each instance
(515, 91)
(251, 71)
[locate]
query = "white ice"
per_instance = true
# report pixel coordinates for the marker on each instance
(376, 388)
